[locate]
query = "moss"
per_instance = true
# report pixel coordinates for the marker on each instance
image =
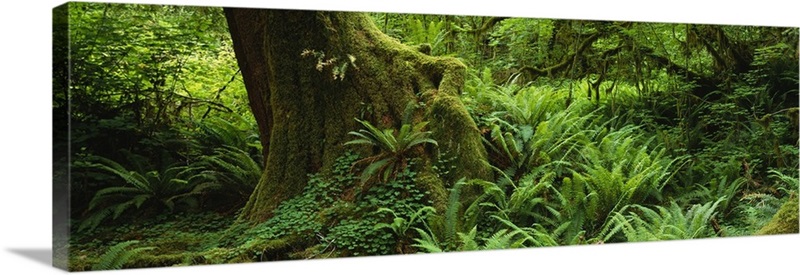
(162, 260)
(458, 136)
(145, 260)
(252, 251)
(320, 251)
(428, 180)
(783, 222)
(228, 255)
(273, 250)
(313, 108)
(80, 263)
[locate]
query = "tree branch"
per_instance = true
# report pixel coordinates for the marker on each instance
(565, 61)
(705, 83)
(486, 25)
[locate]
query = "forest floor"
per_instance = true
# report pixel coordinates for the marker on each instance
(168, 234)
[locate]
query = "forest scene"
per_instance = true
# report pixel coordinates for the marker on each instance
(203, 135)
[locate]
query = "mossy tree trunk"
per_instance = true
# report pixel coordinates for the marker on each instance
(310, 73)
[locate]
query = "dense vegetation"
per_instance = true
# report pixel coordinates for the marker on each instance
(596, 132)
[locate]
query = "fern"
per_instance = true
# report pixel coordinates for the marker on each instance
(165, 188)
(536, 199)
(230, 171)
(664, 223)
(399, 224)
(236, 132)
(445, 228)
(717, 189)
(621, 169)
(394, 146)
(427, 242)
(452, 213)
(118, 255)
(95, 219)
(432, 34)
(468, 242)
(754, 210)
(501, 239)
(791, 183)
(536, 236)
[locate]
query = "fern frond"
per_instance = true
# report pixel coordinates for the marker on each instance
(427, 242)
(374, 168)
(467, 240)
(118, 255)
(665, 223)
(501, 239)
(452, 213)
(91, 222)
(108, 193)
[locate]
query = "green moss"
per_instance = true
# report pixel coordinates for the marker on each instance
(313, 108)
(458, 136)
(784, 222)
(437, 193)
(309, 253)
(256, 250)
(161, 260)
(80, 263)
(272, 250)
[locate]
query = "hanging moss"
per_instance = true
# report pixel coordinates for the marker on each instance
(784, 222)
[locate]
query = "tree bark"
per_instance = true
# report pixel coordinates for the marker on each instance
(308, 74)
(246, 27)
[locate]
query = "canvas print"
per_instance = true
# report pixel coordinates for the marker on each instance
(205, 135)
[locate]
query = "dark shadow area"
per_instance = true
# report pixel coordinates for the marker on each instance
(41, 255)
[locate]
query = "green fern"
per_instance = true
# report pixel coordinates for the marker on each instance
(394, 146)
(717, 188)
(445, 228)
(621, 169)
(452, 212)
(118, 255)
(233, 172)
(432, 34)
(95, 219)
(535, 199)
(427, 242)
(529, 128)
(446, 232)
(165, 188)
(400, 225)
(754, 211)
(791, 183)
(664, 223)
(502, 239)
(213, 132)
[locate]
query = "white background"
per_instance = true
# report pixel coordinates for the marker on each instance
(25, 139)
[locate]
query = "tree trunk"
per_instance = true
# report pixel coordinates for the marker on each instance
(310, 73)
(247, 33)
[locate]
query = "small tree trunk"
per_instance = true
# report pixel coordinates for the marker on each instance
(310, 73)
